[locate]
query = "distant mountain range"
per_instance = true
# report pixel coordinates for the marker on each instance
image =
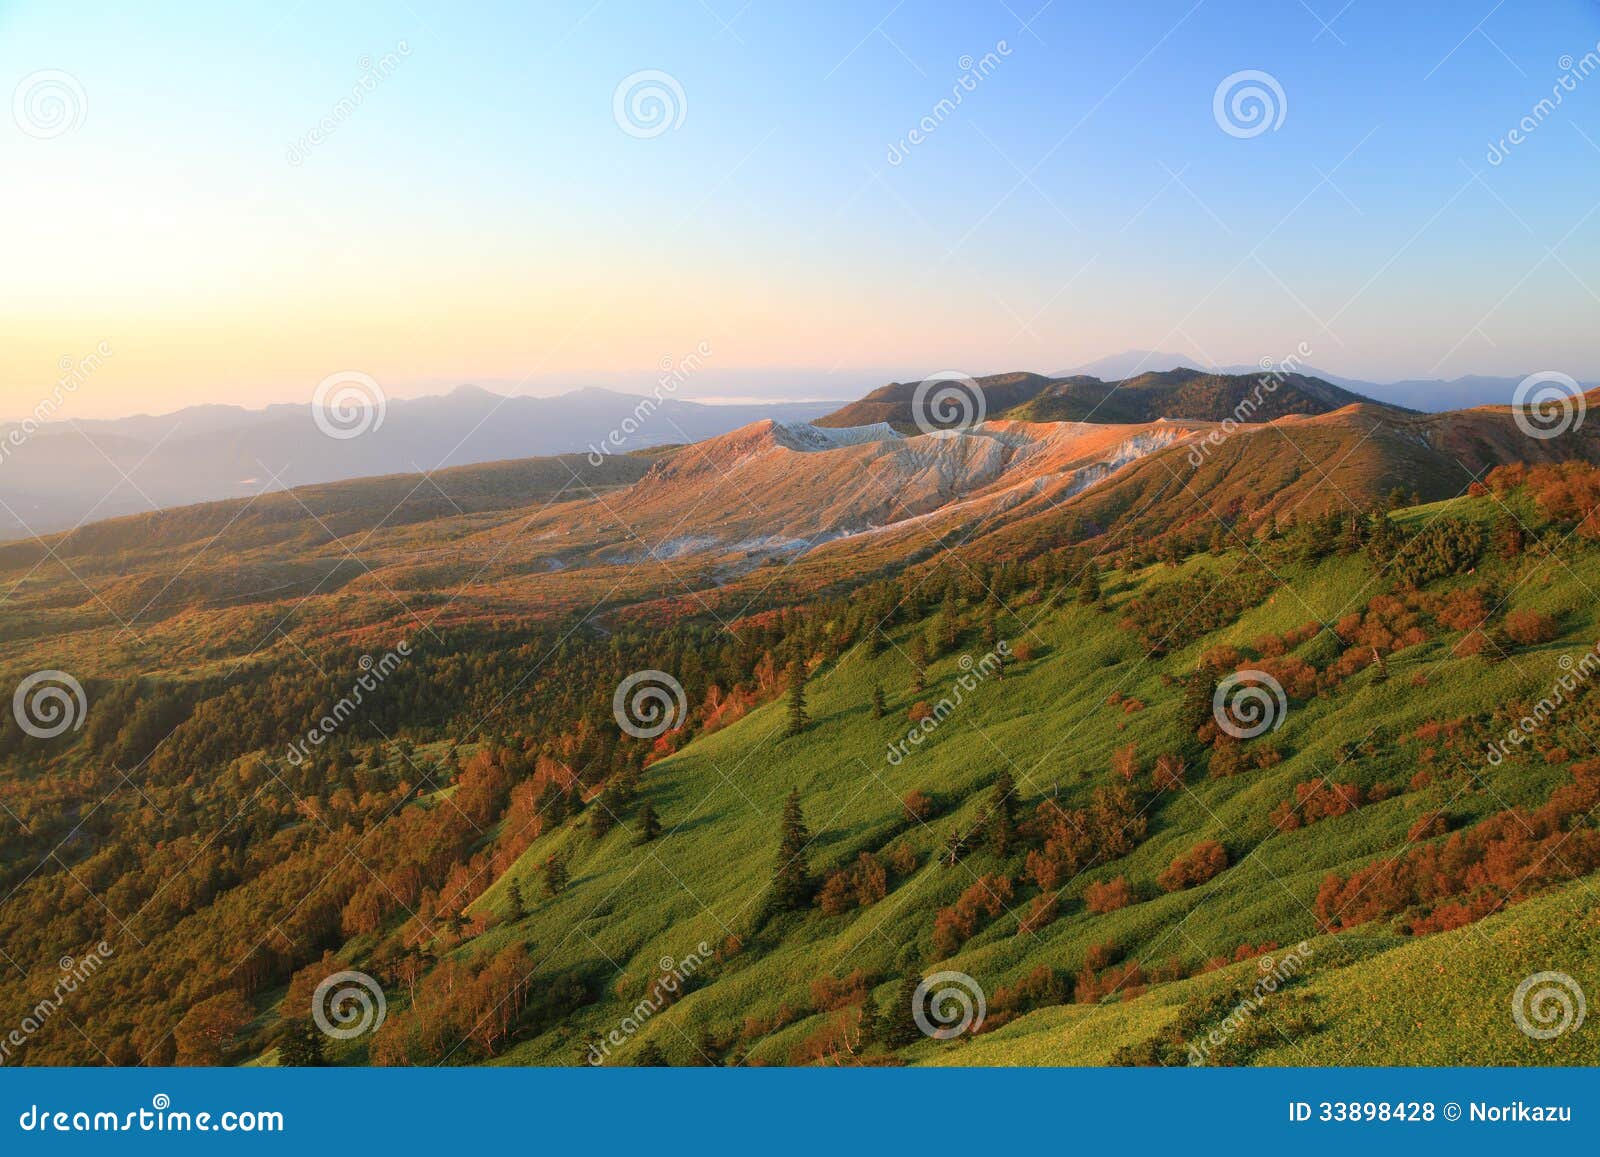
(1432, 395)
(68, 472)
(1185, 394)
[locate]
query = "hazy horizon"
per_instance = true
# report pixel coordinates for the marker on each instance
(714, 388)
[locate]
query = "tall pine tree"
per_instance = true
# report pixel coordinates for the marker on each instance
(791, 879)
(555, 875)
(649, 824)
(798, 718)
(901, 1027)
(1089, 586)
(1003, 815)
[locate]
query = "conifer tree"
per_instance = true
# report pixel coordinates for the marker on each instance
(515, 907)
(603, 816)
(901, 1028)
(871, 1025)
(649, 824)
(552, 805)
(798, 718)
(1089, 586)
(791, 877)
(919, 664)
(949, 621)
(880, 706)
(1003, 814)
(555, 875)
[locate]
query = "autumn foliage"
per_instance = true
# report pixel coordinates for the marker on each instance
(1199, 864)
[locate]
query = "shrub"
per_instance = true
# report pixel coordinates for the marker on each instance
(1529, 627)
(1168, 772)
(1198, 865)
(1041, 912)
(1114, 893)
(902, 860)
(1102, 956)
(829, 993)
(919, 806)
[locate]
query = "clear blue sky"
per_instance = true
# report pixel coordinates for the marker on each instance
(481, 216)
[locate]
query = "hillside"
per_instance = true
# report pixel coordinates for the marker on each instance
(1178, 394)
(1187, 394)
(627, 907)
(399, 744)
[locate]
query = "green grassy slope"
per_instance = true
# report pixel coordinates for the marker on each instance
(1378, 997)
(1439, 1000)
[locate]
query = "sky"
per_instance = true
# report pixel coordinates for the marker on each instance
(494, 209)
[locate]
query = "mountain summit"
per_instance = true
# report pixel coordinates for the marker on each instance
(1182, 393)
